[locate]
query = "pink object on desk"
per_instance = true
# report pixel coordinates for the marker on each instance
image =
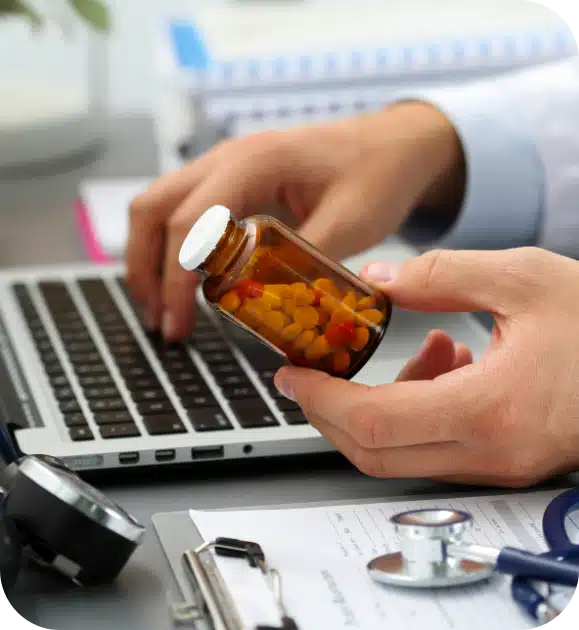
(102, 214)
(88, 237)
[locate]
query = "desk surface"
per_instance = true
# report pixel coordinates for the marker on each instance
(37, 226)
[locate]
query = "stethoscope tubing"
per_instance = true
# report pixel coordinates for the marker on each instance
(562, 549)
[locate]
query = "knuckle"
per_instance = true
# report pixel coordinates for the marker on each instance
(140, 206)
(178, 224)
(366, 425)
(431, 266)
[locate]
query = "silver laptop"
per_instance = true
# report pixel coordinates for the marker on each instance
(84, 381)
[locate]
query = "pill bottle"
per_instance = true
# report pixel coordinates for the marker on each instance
(265, 278)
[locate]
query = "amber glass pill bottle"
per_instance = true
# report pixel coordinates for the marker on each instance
(264, 277)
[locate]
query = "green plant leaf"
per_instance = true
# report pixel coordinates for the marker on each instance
(18, 7)
(94, 12)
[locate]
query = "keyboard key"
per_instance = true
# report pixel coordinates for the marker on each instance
(44, 346)
(191, 389)
(137, 371)
(85, 358)
(226, 368)
(75, 420)
(212, 358)
(54, 370)
(120, 349)
(234, 391)
(142, 395)
(143, 382)
(209, 420)
(284, 404)
(164, 424)
(113, 417)
(111, 404)
(179, 365)
(295, 417)
(211, 346)
(110, 431)
(253, 413)
(275, 393)
(100, 380)
(80, 347)
(91, 370)
(64, 393)
(120, 338)
(95, 393)
(155, 407)
(185, 377)
(233, 379)
(59, 381)
(132, 360)
(80, 434)
(69, 406)
(49, 357)
(192, 402)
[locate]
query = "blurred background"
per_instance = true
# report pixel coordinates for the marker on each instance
(76, 76)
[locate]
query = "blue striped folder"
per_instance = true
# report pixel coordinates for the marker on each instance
(201, 71)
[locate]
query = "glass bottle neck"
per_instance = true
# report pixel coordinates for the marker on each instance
(226, 251)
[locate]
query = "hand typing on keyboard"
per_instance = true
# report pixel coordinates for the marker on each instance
(341, 180)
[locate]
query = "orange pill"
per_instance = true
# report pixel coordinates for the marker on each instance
(372, 315)
(306, 316)
(361, 338)
(341, 361)
(230, 302)
(291, 332)
(342, 315)
(272, 300)
(329, 303)
(296, 287)
(366, 302)
(304, 297)
(350, 300)
(289, 306)
(317, 349)
(327, 287)
(304, 339)
(283, 290)
(275, 320)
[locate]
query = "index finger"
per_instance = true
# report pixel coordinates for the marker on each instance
(399, 414)
(149, 212)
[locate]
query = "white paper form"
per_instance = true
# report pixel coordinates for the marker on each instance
(321, 554)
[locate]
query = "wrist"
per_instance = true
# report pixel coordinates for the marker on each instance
(432, 150)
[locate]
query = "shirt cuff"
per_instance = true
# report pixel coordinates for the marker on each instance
(504, 193)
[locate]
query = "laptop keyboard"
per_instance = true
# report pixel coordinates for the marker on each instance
(112, 376)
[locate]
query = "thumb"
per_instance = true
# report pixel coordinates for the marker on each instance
(451, 281)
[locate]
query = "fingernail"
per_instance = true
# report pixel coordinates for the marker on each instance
(168, 325)
(382, 271)
(284, 386)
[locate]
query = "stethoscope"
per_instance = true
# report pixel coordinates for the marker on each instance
(53, 518)
(433, 554)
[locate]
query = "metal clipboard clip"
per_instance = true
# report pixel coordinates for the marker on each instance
(212, 598)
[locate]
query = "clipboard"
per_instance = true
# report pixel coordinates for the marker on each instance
(177, 533)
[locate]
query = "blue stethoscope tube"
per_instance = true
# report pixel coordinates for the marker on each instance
(562, 549)
(7, 451)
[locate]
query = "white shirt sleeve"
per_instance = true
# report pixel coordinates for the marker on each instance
(520, 134)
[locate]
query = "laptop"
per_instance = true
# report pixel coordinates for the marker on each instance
(81, 379)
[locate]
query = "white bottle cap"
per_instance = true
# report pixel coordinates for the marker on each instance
(204, 237)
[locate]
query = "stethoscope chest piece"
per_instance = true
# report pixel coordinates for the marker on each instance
(428, 557)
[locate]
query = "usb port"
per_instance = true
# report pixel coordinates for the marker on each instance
(207, 452)
(166, 455)
(128, 458)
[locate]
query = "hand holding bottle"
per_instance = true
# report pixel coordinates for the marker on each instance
(349, 184)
